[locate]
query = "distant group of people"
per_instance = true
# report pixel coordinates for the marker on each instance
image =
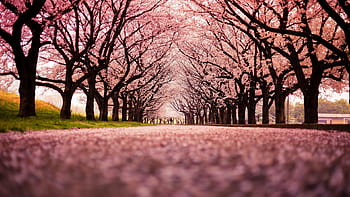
(167, 120)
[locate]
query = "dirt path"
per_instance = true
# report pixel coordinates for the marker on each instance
(175, 161)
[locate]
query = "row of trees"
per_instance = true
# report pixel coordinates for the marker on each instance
(115, 51)
(262, 51)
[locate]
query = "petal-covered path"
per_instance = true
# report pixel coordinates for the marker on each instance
(175, 161)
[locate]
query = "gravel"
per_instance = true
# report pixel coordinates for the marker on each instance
(175, 161)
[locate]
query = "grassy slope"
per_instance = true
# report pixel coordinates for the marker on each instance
(47, 117)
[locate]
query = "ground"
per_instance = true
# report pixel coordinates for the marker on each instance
(175, 161)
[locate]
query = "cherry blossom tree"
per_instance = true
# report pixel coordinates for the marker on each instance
(22, 25)
(122, 55)
(146, 96)
(307, 24)
(145, 61)
(72, 37)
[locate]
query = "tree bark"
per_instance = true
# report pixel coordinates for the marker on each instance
(124, 108)
(241, 114)
(222, 115)
(311, 106)
(66, 112)
(27, 95)
(265, 102)
(139, 116)
(26, 67)
(115, 112)
(103, 110)
(280, 108)
(265, 110)
(89, 108)
(251, 113)
(242, 105)
(228, 114)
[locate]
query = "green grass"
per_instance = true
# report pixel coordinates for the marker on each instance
(47, 117)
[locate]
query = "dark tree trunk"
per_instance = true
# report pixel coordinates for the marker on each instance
(137, 115)
(26, 65)
(89, 108)
(265, 102)
(27, 96)
(124, 108)
(103, 110)
(115, 113)
(189, 118)
(251, 108)
(66, 112)
(251, 113)
(222, 115)
(280, 100)
(265, 110)
(311, 107)
(241, 112)
(69, 89)
(251, 105)
(228, 114)
(211, 115)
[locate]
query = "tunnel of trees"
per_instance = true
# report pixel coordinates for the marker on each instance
(224, 59)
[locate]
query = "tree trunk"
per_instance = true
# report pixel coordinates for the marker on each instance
(228, 114)
(66, 112)
(280, 108)
(103, 110)
(27, 71)
(139, 116)
(251, 105)
(311, 107)
(115, 113)
(211, 115)
(89, 108)
(124, 108)
(241, 113)
(27, 96)
(26, 65)
(222, 115)
(251, 112)
(265, 110)
(265, 103)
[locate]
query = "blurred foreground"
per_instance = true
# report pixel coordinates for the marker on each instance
(175, 161)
